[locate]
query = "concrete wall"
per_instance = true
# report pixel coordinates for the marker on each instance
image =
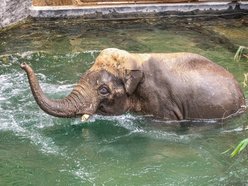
(12, 11)
(99, 2)
(140, 10)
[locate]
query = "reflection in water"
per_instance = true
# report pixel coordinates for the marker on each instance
(120, 150)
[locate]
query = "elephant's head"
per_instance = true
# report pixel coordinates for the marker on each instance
(106, 88)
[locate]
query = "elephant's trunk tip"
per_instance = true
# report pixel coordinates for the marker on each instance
(26, 67)
(23, 65)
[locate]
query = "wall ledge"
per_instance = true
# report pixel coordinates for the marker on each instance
(133, 9)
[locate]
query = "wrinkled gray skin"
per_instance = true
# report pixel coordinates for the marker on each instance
(172, 86)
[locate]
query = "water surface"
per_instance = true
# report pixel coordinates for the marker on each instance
(38, 149)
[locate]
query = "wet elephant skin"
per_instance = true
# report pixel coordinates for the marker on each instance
(174, 86)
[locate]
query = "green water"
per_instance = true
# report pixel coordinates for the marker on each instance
(38, 149)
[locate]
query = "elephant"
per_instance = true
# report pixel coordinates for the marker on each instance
(168, 86)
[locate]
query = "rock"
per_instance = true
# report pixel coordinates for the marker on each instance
(13, 11)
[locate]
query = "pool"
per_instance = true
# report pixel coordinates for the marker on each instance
(38, 149)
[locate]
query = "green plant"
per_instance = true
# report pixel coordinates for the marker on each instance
(241, 146)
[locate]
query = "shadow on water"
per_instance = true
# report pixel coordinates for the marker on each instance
(120, 150)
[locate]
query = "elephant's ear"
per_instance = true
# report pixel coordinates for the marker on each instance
(132, 79)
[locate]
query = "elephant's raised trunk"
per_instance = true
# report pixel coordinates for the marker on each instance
(80, 101)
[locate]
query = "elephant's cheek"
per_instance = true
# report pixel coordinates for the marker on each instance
(122, 106)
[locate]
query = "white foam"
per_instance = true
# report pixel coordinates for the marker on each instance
(14, 106)
(83, 174)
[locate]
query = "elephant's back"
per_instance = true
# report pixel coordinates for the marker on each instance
(198, 85)
(184, 62)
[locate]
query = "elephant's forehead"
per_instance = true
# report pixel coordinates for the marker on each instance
(108, 64)
(112, 60)
(117, 61)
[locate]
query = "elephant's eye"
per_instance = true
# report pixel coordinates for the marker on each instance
(103, 90)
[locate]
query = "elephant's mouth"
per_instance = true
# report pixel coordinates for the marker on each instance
(88, 112)
(102, 110)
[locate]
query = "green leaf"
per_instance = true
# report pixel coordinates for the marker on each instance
(240, 147)
(226, 151)
(244, 144)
